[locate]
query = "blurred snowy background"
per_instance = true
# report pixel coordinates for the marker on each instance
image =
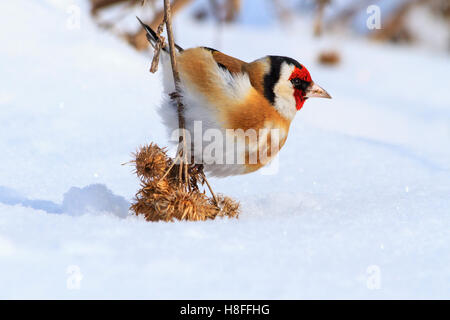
(358, 208)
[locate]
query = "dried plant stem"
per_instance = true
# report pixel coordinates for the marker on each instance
(171, 166)
(318, 22)
(173, 61)
(182, 157)
(210, 189)
(182, 147)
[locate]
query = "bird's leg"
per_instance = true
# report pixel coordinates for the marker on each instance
(182, 157)
(183, 163)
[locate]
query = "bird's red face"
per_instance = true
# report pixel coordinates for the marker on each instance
(288, 84)
(301, 81)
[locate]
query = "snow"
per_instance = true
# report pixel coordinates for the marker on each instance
(358, 206)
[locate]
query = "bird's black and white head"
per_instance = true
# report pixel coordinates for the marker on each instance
(288, 84)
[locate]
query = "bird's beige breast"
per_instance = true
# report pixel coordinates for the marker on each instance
(256, 115)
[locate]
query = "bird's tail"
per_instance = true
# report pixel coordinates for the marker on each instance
(152, 37)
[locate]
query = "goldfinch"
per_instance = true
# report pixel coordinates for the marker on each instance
(237, 114)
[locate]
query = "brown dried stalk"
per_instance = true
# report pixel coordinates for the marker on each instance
(170, 187)
(101, 4)
(182, 146)
(329, 58)
(318, 22)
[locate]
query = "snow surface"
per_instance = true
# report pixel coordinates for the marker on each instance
(358, 208)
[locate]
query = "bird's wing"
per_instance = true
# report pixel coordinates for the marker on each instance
(223, 91)
(255, 70)
(226, 62)
(219, 80)
(234, 66)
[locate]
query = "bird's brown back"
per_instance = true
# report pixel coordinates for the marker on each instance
(256, 70)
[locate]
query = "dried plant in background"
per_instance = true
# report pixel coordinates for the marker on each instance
(318, 21)
(394, 28)
(136, 39)
(396, 24)
(225, 10)
(344, 16)
(329, 58)
(139, 40)
(98, 5)
(284, 13)
(232, 9)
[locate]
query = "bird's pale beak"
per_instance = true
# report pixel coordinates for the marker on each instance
(314, 91)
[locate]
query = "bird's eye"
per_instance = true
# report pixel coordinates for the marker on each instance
(299, 84)
(295, 82)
